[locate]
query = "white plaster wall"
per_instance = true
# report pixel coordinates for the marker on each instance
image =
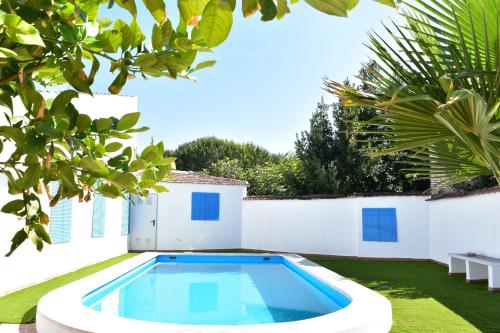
(176, 231)
(304, 226)
(334, 226)
(467, 224)
(27, 266)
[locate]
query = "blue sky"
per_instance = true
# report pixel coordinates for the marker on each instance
(267, 80)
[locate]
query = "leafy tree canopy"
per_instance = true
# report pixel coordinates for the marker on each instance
(201, 153)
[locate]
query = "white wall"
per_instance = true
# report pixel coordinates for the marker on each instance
(333, 226)
(305, 226)
(175, 229)
(467, 224)
(28, 266)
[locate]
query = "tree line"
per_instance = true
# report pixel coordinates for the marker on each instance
(329, 158)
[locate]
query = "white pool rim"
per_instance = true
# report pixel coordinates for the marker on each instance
(62, 310)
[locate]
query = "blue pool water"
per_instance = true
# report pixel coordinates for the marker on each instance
(217, 290)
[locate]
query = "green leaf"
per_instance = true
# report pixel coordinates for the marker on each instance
(83, 122)
(157, 9)
(124, 180)
(128, 5)
(136, 33)
(17, 240)
(68, 178)
(190, 9)
(37, 241)
(159, 188)
(215, 23)
(128, 121)
(6, 100)
(333, 7)
(204, 64)
(95, 167)
(19, 30)
(61, 101)
(268, 10)
(387, 2)
(103, 124)
(124, 29)
(111, 40)
(149, 153)
(136, 165)
(282, 9)
(74, 75)
(116, 86)
(137, 130)
(249, 7)
(41, 232)
(113, 146)
(109, 190)
(7, 53)
(13, 207)
(31, 177)
(161, 35)
(157, 37)
(12, 133)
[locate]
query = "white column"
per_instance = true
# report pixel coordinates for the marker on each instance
(476, 272)
(456, 267)
(494, 278)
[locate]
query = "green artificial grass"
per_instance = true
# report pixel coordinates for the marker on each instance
(424, 298)
(20, 306)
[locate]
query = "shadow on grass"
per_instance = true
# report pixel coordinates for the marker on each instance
(423, 280)
(30, 315)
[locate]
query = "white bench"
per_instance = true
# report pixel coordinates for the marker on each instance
(477, 268)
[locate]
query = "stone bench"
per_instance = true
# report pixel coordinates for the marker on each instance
(476, 269)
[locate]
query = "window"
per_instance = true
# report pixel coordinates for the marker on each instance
(98, 216)
(125, 216)
(205, 206)
(60, 219)
(380, 225)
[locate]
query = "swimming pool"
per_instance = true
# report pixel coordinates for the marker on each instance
(223, 293)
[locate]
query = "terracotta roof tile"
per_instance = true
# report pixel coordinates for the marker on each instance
(190, 177)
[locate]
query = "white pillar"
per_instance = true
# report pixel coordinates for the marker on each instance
(494, 278)
(476, 272)
(456, 267)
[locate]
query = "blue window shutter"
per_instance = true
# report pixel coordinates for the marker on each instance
(379, 225)
(370, 225)
(125, 216)
(60, 219)
(205, 206)
(388, 225)
(98, 216)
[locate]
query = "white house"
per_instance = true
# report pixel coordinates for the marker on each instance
(198, 212)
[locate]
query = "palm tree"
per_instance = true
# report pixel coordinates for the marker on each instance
(436, 89)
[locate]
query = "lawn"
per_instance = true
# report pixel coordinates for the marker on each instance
(20, 307)
(423, 297)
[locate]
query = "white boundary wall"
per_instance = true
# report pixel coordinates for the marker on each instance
(467, 224)
(333, 226)
(426, 229)
(27, 266)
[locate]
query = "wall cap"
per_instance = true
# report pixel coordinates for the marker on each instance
(488, 190)
(333, 196)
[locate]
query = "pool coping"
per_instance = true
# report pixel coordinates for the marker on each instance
(62, 310)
